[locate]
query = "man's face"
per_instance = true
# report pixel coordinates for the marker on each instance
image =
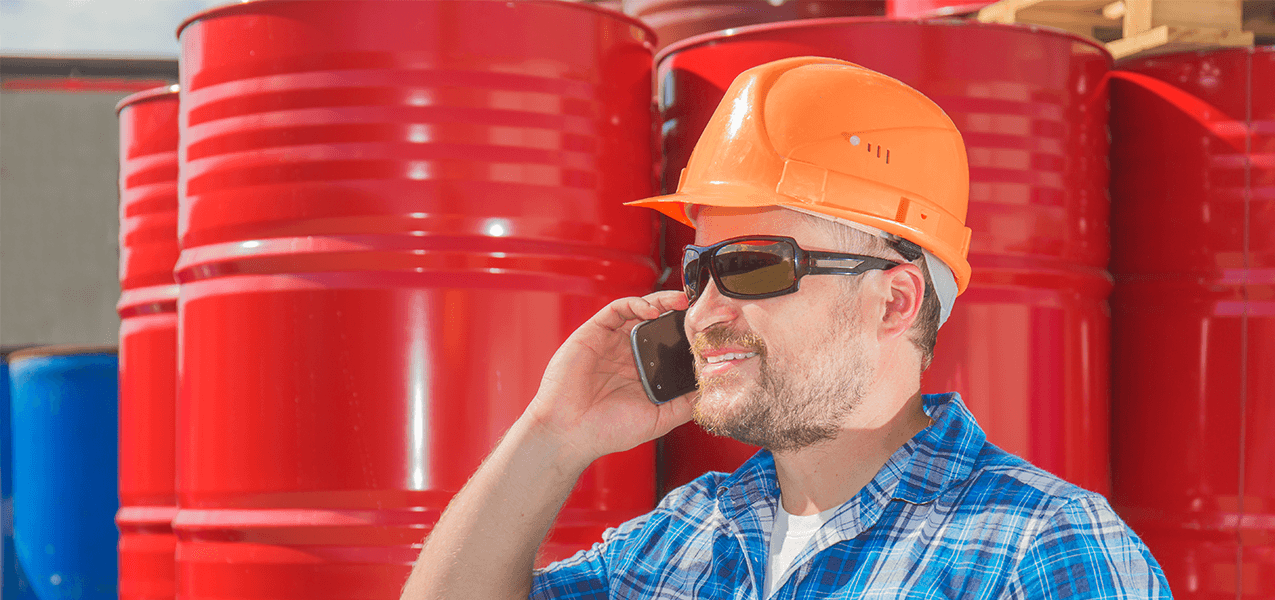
(780, 372)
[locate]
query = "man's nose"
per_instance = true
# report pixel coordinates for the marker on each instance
(709, 309)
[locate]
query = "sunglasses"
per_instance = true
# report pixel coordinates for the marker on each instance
(762, 266)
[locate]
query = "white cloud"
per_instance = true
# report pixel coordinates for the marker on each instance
(143, 28)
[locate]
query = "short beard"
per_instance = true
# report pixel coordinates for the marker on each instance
(791, 406)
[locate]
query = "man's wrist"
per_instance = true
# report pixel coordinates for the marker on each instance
(567, 455)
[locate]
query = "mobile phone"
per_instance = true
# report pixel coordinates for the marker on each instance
(663, 354)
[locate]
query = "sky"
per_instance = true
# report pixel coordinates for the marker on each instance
(95, 28)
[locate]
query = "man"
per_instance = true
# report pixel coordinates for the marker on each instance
(855, 186)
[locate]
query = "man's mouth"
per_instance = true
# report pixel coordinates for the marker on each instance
(718, 351)
(712, 360)
(713, 364)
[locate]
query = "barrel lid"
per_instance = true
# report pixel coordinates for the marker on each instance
(1130, 62)
(64, 350)
(151, 94)
(5, 351)
(217, 10)
(748, 31)
(615, 14)
(247, 5)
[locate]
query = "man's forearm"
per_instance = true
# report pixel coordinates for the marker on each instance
(590, 404)
(485, 543)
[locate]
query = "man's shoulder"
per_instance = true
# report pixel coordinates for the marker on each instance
(1020, 501)
(995, 467)
(1041, 523)
(957, 463)
(1001, 483)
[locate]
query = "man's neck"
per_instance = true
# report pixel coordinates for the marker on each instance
(826, 475)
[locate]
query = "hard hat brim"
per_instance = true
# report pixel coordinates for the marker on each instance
(676, 205)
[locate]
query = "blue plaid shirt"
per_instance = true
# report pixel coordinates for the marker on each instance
(948, 516)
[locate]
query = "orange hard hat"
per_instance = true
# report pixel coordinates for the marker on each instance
(830, 137)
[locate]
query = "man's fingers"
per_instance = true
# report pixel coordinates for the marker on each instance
(675, 412)
(668, 300)
(648, 307)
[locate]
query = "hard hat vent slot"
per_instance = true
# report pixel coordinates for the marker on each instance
(855, 141)
(901, 215)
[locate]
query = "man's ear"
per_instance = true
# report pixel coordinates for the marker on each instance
(905, 289)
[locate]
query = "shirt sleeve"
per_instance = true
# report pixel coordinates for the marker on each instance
(583, 576)
(1085, 551)
(586, 575)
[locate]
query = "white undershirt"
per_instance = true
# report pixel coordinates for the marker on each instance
(789, 538)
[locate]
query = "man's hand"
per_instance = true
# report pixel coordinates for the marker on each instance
(591, 396)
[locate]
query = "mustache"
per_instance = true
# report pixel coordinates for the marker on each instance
(719, 336)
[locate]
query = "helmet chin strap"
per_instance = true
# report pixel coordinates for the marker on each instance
(940, 274)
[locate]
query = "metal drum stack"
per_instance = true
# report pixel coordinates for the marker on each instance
(1027, 344)
(913, 9)
(391, 215)
(1193, 188)
(148, 342)
(64, 439)
(676, 20)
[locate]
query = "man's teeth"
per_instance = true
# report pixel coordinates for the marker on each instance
(723, 357)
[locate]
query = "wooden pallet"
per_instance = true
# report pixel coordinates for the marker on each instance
(1082, 17)
(1143, 27)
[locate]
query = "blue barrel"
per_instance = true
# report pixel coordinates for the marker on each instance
(8, 572)
(13, 585)
(64, 408)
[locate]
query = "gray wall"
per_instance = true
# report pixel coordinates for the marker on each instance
(59, 221)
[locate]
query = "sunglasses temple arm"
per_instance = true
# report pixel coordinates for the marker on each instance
(846, 264)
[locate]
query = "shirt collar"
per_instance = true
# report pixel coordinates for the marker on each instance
(754, 483)
(934, 460)
(944, 453)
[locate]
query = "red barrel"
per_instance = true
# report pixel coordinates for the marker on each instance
(912, 9)
(393, 213)
(676, 20)
(1027, 343)
(148, 342)
(1193, 253)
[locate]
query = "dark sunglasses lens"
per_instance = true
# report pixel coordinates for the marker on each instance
(691, 280)
(756, 267)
